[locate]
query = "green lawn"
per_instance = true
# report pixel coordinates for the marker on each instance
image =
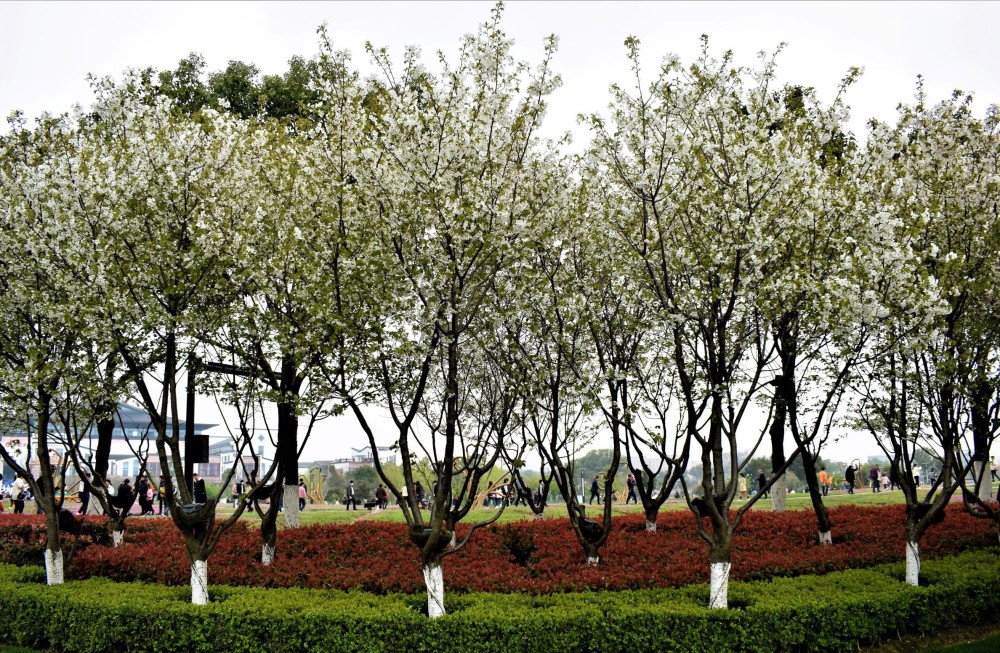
(327, 514)
(988, 645)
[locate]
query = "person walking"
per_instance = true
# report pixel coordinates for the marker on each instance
(849, 477)
(595, 490)
(761, 483)
(18, 494)
(994, 469)
(418, 488)
(84, 494)
(743, 488)
(875, 476)
(352, 501)
(824, 481)
(630, 482)
(198, 487)
(161, 494)
(302, 496)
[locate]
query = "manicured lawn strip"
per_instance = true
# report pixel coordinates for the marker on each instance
(833, 612)
(988, 645)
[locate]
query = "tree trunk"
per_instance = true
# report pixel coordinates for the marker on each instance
(779, 491)
(912, 563)
(816, 497)
(720, 559)
(288, 449)
(434, 580)
(269, 521)
(54, 566)
(650, 525)
(105, 433)
(779, 495)
(718, 597)
(199, 582)
(267, 553)
(984, 486)
(117, 537)
(291, 505)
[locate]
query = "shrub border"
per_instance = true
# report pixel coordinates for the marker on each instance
(833, 612)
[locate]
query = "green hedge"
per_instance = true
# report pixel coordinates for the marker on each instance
(834, 612)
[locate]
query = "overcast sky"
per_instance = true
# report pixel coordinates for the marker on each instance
(47, 49)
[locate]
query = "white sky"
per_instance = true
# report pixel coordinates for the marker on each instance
(48, 48)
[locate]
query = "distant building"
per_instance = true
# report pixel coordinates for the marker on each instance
(133, 430)
(363, 457)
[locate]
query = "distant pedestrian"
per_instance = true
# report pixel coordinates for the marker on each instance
(630, 482)
(351, 501)
(743, 487)
(302, 496)
(84, 494)
(762, 483)
(875, 476)
(18, 494)
(824, 481)
(382, 497)
(419, 490)
(994, 469)
(143, 496)
(849, 477)
(161, 496)
(595, 490)
(200, 494)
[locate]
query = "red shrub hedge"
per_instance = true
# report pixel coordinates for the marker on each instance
(532, 557)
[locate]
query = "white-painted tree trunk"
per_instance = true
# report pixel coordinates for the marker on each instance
(291, 505)
(539, 516)
(267, 555)
(54, 567)
(593, 561)
(434, 580)
(199, 582)
(718, 596)
(650, 526)
(117, 537)
(779, 495)
(913, 563)
(826, 539)
(985, 486)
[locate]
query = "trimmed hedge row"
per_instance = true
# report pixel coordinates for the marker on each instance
(833, 612)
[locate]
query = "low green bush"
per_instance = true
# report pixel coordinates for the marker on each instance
(833, 612)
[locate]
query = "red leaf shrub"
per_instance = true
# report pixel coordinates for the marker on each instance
(531, 557)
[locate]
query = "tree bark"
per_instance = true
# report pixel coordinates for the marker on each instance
(777, 432)
(199, 582)
(291, 505)
(718, 597)
(912, 563)
(54, 572)
(267, 553)
(434, 580)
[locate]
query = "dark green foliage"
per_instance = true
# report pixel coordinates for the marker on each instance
(835, 612)
(239, 87)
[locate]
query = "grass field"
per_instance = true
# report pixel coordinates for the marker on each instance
(326, 514)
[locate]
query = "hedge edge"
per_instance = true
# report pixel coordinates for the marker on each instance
(832, 612)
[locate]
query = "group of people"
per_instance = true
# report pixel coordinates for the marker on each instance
(17, 493)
